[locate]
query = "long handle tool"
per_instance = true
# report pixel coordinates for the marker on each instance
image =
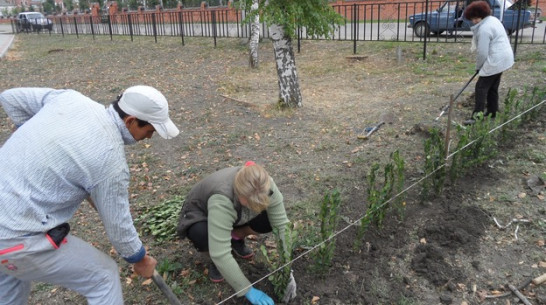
(446, 107)
(158, 280)
(372, 130)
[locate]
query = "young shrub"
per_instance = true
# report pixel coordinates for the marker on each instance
(280, 262)
(508, 131)
(400, 180)
(379, 195)
(329, 219)
(457, 168)
(484, 146)
(435, 156)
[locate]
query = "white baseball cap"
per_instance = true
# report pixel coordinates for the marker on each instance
(148, 104)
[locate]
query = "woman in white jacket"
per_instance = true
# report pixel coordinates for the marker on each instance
(494, 56)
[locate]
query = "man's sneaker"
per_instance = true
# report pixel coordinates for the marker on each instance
(240, 249)
(214, 274)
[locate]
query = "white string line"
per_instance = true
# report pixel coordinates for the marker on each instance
(360, 219)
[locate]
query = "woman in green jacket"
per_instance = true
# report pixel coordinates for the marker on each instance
(224, 208)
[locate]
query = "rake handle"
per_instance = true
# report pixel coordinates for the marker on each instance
(158, 280)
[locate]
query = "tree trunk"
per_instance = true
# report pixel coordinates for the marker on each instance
(289, 87)
(254, 37)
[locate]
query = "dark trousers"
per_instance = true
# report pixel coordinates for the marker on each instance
(198, 233)
(487, 94)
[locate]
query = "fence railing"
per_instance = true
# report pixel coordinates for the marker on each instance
(363, 22)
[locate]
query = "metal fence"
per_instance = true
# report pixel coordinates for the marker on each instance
(363, 22)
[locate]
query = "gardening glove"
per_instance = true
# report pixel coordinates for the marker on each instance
(258, 297)
(290, 291)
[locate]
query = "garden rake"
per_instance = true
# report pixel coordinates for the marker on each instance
(446, 107)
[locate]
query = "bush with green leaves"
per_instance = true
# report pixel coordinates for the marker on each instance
(161, 220)
(280, 261)
(380, 193)
(479, 142)
(329, 219)
(435, 159)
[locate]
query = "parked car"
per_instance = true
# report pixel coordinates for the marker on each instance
(449, 17)
(32, 21)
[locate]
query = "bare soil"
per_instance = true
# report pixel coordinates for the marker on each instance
(446, 250)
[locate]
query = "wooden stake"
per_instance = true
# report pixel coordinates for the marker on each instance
(448, 131)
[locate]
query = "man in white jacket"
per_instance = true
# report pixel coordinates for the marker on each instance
(494, 56)
(67, 148)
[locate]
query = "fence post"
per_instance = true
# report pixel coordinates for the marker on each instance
(181, 23)
(76, 27)
(299, 39)
(92, 27)
(517, 30)
(154, 27)
(213, 17)
(426, 32)
(61, 22)
(110, 27)
(355, 24)
(130, 26)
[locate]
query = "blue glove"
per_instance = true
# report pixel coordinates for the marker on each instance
(258, 297)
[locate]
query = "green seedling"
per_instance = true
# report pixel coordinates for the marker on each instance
(161, 220)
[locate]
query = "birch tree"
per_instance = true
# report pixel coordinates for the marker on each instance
(254, 34)
(283, 18)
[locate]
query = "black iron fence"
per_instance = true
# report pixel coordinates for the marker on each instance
(363, 22)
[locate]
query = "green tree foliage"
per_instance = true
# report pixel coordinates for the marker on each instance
(49, 7)
(69, 5)
(133, 4)
(152, 3)
(170, 3)
(84, 4)
(316, 16)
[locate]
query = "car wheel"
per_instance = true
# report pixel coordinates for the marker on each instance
(421, 29)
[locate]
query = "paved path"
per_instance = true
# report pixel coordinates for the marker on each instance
(6, 38)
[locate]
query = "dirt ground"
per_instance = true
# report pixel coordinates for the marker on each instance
(447, 250)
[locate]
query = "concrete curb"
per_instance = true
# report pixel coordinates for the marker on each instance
(5, 44)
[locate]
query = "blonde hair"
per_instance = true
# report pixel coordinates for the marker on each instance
(252, 183)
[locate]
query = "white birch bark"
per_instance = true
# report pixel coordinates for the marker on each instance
(289, 87)
(254, 37)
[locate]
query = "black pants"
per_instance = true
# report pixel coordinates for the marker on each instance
(198, 233)
(487, 94)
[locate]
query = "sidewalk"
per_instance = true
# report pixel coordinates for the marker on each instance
(6, 38)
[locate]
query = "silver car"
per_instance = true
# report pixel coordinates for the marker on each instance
(34, 21)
